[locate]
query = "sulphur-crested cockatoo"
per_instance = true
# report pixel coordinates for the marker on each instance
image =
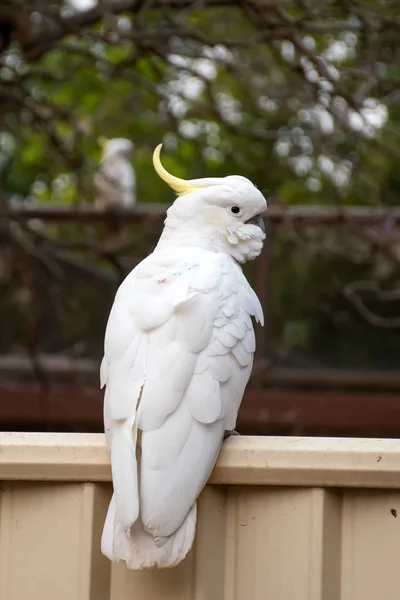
(179, 349)
(115, 179)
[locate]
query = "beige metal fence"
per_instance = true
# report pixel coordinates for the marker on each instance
(282, 519)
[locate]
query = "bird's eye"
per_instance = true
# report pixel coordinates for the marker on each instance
(235, 210)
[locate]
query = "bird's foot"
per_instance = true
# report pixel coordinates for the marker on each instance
(228, 433)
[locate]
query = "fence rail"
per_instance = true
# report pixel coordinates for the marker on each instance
(59, 367)
(281, 519)
(359, 215)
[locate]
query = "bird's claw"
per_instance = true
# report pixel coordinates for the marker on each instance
(230, 432)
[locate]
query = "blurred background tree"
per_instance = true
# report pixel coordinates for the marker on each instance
(301, 96)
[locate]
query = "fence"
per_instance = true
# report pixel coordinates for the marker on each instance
(281, 519)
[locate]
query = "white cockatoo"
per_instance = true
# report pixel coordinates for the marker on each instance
(115, 179)
(179, 348)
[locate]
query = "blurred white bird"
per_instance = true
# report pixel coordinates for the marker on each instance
(115, 179)
(179, 350)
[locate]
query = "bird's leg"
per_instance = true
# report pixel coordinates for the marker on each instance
(230, 432)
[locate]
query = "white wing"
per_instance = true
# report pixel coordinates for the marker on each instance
(178, 355)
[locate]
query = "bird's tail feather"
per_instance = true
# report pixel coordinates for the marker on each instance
(139, 549)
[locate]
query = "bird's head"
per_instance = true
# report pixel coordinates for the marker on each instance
(116, 147)
(220, 213)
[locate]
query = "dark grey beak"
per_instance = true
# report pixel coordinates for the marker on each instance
(257, 220)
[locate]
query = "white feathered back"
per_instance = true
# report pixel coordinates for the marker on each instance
(178, 355)
(115, 180)
(179, 350)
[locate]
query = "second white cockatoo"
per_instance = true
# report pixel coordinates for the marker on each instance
(179, 349)
(115, 179)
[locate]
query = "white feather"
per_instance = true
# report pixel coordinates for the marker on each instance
(139, 549)
(125, 479)
(115, 181)
(178, 355)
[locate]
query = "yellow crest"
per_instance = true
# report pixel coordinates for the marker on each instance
(102, 141)
(180, 186)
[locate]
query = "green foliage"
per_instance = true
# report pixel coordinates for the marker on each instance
(257, 120)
